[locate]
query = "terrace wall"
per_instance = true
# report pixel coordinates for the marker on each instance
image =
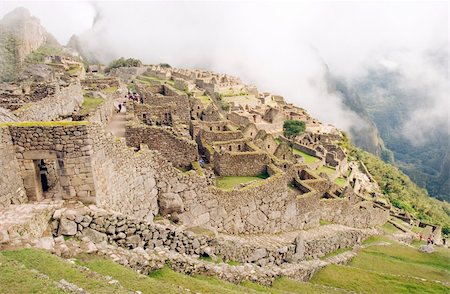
(64, 101)
(12, 190)
(178, 150)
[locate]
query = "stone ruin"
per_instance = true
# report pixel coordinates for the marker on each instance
(172, 149)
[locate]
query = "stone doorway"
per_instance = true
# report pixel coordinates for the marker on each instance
(41, 173)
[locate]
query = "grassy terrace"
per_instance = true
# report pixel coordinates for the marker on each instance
(228, 183)
(148, 79)
(110, 90)
(341, 182)
(308, 158)
(205, 100)
(390, 269)
(393, 268)
(90, 104)
(325, 169)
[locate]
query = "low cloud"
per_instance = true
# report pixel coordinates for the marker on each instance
(286, 48)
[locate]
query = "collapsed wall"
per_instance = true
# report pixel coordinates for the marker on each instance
(12, 190)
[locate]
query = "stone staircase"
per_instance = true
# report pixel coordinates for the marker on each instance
(26, 221)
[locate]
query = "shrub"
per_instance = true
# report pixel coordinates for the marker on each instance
(293, 128)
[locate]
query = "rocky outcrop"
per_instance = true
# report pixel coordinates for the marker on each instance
(20, 34)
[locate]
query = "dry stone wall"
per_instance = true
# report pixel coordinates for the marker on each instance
(68, 146)
(12, 190)
(178, 150)
(124, 179)
(63, 102)
(240, 163)
(360, 215)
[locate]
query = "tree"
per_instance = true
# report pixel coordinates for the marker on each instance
(293, 128)
(122, 62)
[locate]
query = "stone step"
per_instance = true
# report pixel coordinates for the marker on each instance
(26, 221)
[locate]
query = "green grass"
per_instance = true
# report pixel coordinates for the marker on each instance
(390, 228)
(324, 222)
(341, 182)
(365, 281)
(325, 169)
(205, 100)
(56, 269)
(90, 104)
(337, 252)
(402, 260)
(228, 183)
(110, 90)
(44, 123)
(14, 275)
(308, 158)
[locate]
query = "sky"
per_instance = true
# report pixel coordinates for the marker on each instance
(287, 48)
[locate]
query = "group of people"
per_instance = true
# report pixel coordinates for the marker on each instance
(430, 239)
(134, 97)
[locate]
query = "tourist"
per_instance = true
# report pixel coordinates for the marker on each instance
(202, 162)
(420, 236)
(120, 107)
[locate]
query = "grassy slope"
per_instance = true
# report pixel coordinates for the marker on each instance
(400, 190)
(14, 276)
(376, 269)
(228, 183)
(390, 269)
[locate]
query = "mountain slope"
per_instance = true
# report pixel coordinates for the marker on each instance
(379, 99)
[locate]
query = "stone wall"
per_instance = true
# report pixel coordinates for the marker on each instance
(12, 190)
(64, 101)
(124, 179)
(360, 215)
(220, 136)
(251, 163)
(68, 146)
(178, 150)
(126, 231)
(105, 111)
(127, 74)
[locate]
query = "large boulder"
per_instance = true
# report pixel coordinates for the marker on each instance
(170, 203)
(67, 227)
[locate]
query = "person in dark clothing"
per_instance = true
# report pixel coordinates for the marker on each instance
(120, 107)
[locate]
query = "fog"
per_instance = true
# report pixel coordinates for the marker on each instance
(286, 48)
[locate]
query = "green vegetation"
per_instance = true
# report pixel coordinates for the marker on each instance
(74, 69)
(397, 259)
(390, 228)
(90, 104)
(365, 281)
(44, 123)
(225, 106)
(228, 183)
(308, 158)
(324, 222)
(391, 269)
(341, 182)
(110, 90)
(293, 128)
(14, 276)
(205, 100)
(122, 62)
(38, 55)
(56, 269)
(337, 252)
(401, 191)
(325, 169)
(165, 65)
